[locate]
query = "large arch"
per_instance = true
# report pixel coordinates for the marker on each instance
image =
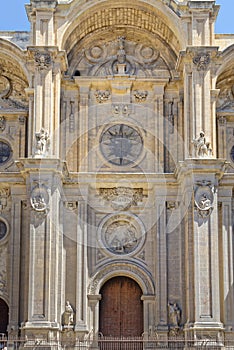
(155, 18)
(126, 268)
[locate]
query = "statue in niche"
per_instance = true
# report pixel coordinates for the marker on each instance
(174, 315)
(202, 147)
(42, 142)
(68, 315)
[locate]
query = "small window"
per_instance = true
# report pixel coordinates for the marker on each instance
(232, 153)
(5, 152)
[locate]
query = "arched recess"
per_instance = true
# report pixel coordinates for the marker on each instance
(12, 70)
(121, 308)
(122, 268)
(143, 22)
(225, 104)
(4, 316)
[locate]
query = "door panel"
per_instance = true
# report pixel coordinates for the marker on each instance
(3, 316)
(121, 308)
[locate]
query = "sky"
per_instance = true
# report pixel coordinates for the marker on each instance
(13, 16)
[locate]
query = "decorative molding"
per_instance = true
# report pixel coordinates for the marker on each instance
(102, 95)
(121, 110)
(222, 121)
(71, 205)
(2, 123)
(4, 195)
(202, 60)
(122, 198)
(43, 60)
(126, 268)
(172, 205)
(140, 96)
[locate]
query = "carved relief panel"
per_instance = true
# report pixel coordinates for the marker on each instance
(121, 234)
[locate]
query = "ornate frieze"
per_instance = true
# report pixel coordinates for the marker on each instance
(202, 60)
(122, 198)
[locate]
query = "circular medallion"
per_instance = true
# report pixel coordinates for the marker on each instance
(5, 86)
(3, 229)
(121, 144)
(121, 234)
(5, 152)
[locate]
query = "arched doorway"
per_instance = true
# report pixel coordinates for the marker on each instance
(4, 311)
(121, 308)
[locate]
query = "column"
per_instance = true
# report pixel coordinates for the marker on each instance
(159, 126)
(226, 256)
(45, 248)
(161, 264)
(82, 268)
(15, 249)
(94, 317)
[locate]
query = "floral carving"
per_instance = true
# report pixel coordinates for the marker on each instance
(2, 123)
(202, 61)
(42, 60)
(102, 95)
(122, 198)
(140, 96)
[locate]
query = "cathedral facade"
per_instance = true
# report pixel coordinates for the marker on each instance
(116, 173)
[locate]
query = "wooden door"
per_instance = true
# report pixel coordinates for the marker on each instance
(121, 308)
(3, 316)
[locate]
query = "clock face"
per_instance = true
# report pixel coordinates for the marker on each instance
(121, 144)
(5, 152)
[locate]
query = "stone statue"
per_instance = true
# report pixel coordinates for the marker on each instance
(202, 147)
(42, 142)
(174, 315)
(68, 315)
